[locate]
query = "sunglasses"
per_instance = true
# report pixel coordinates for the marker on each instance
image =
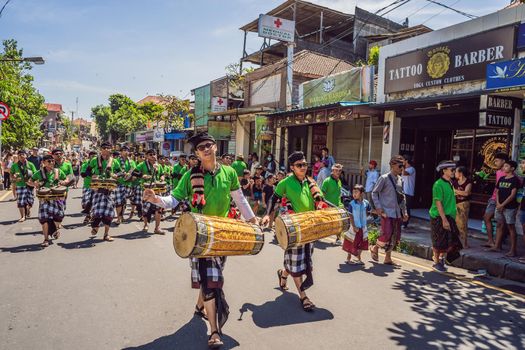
(106, 147)
(50, 161)
(59, 154)
(301, 165)
(204, 147)
(400, 166)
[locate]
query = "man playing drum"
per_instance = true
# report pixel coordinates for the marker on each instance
(302, 193)
(22, 171)
(87, 192)
(150, 172)
(127, 166)
(64, 165)
(103, 167)
(210, 188)
(50, 211)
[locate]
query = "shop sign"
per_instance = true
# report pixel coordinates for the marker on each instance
(521, 36)
(219, 104)
(158, 135)
(276, 28)
(498, 111)
(219, 130)
(489, 149)
(495, 119)
(342, 87)
(144, 136)
(452, 62)
(506, 75)
(263, 128)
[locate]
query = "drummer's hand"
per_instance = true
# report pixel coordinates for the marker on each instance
(146, 177)
(63, 183)
(254, 220)
(265, 221)
(149, 195)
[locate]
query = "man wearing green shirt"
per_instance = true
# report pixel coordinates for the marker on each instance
(50, 212)
(302, 193)
(444, 231)
(22, 171)
(87, 192)
(64, 165)
(213, 197)
(103, 167)
(150, 171)
(127, 166)
(179, 169)
(239, 165)
(331, 189)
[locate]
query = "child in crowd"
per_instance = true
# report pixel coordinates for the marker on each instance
(267, 194)
(356, 239)
(317, 166)
(507, 206)
(280, 175)
(256, 194)
(246, 184)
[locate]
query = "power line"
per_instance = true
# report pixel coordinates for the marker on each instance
(440, 12)
(3, 7)
(453, 9)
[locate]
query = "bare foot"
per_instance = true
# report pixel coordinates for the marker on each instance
(510, 255)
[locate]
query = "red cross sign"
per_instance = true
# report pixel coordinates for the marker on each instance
(278, 23)
(220, 101)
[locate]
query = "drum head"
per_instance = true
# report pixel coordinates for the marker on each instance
(43, 191)
(160, 184)
(281, 233)
(185, 235)
(59, 190)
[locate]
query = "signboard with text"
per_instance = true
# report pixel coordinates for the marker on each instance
(276, 28)
(451, 62)
(498, 111)
(506, 75)
(219, 104)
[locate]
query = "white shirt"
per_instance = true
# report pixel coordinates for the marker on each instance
(409, 181)
(371, 179)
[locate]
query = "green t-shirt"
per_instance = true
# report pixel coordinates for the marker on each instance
(50, 180)
(298, 193)
(125, 165)
(239, 167)
(443, 191)
(93, 164)
(87, 179)
(21, 169)
(216, 190)
(177, 173)
(332, 191)
(147, 169)
(66, 167)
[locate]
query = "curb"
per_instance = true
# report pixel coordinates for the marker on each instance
(497, 267)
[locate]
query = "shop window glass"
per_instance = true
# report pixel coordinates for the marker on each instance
(463, 140)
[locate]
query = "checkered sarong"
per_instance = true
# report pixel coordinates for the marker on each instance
(136, 195)
(295, 259)
(87, 198)
(103, 205)
(214, 267)
(120, 195)
(24, 196)
(51, 210)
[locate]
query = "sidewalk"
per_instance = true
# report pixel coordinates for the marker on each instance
(416, 241)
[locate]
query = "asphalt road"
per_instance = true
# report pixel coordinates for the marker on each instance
(83, 293)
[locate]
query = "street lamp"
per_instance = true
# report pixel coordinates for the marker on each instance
(35, 60)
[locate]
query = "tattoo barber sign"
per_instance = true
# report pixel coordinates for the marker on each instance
(451, 62)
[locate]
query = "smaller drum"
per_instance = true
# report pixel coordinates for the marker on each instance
(106, 184)
(51, 194)
(159, 187)
(202, 236)
(294, 230)
(59, 190)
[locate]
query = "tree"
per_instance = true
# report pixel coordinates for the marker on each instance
(236, 76)
(175, 110)
(373, 56)
(101, 115)
(152, 111)
(22, 129)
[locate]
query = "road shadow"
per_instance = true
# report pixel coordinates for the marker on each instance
(74, 226)
(455, 315)
(76, 215)
(191, 336)
(134, 235)
(375, 268)
(9, 222)
(88, 243)
(22, 248)
(32, 233)
(321, 245)
(285, 310)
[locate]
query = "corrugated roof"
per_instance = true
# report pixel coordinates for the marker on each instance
(154, 99)
(53, 107)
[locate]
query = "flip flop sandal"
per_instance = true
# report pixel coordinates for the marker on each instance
(56, 235)
(44, 244)
(159, 232)
(199, 312)
(391, 263)
(94, 232)
(22, 219)
(358, 262)
(375, 255)
(280, 275)
(214, 343)
(307, 304)
(521, 260)
(108, 238)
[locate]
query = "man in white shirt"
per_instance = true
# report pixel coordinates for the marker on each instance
(409, 186)
(372, 175)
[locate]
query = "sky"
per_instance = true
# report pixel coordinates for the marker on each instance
(94, 48)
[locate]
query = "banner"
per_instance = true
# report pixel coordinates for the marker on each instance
(506, 75)
(342, 87)
(263, 128)
(220, 130)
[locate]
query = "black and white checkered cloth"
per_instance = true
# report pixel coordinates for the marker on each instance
(51, 210)
(295, 259)
(214, 267)
(25, 196)
(87, 198)
(103, 205)
(136, 195)
(120, 195)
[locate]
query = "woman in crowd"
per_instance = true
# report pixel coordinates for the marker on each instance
(462, 190)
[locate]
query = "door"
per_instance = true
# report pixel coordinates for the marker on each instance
(431, 148)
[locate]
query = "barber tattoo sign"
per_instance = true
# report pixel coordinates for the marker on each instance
(451, 62)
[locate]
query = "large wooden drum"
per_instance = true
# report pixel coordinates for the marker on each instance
(294, 230)
(51, 194)
(105, 184)
(202, 236)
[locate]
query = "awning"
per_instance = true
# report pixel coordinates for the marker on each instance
(175, 136)
(242, 111)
